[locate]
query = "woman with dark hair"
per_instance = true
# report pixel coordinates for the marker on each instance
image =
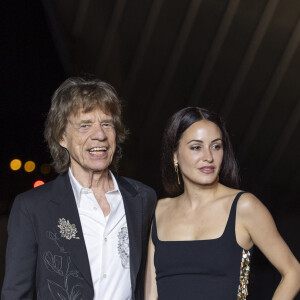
(202, 237)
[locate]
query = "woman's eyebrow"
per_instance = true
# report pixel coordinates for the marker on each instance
(197, 141)
(215, 140)
(200, 141)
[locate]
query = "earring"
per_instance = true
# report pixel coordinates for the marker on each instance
(177, 171)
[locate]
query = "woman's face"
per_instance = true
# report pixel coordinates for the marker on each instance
(200, 153)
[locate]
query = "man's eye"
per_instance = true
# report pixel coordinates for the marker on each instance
(107, 125)
(84, 126)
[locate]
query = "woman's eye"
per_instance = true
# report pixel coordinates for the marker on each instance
(217, 147)
(196, 147)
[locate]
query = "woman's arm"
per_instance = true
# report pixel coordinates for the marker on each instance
(258, 222)
(150, 280)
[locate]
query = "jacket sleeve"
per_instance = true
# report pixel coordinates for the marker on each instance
(21, 254)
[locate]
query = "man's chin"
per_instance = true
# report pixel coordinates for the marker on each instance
(91, 167)
(98, 170)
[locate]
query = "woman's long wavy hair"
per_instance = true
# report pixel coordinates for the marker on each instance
(72, 95)
(176, 126)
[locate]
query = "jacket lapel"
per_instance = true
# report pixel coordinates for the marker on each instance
(67, 209)
(133, 210)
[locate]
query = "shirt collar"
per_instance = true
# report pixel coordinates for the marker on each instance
(78, 188)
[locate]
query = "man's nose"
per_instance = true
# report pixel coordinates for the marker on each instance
(98, 133)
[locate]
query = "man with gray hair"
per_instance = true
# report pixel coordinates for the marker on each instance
(85, 234)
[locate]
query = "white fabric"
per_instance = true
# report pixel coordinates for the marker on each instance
(106, 240)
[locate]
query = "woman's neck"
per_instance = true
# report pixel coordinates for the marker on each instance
(197, 194)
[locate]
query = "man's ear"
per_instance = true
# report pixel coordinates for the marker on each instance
(63, 142)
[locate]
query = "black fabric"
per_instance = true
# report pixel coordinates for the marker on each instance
(38, 258)
(200, 269)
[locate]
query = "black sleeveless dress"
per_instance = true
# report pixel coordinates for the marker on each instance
(216, 269)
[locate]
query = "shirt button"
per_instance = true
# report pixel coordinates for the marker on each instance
(95, 208)
(104, 275)
(105, 239)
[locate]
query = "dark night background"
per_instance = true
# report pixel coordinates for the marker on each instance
(238, 58)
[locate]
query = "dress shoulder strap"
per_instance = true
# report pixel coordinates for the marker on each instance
(154, 231)
(230, 226)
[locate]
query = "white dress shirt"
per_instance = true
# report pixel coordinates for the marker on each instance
(106, 240)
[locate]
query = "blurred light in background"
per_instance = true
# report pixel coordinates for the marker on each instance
(45, 169)
(15, 164)
(29, 166)
(38, 183)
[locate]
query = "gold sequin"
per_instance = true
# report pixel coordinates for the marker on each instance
(244, 276)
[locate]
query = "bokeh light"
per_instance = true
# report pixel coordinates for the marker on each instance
(29, 166)
(45, 169)
(15, 164)
(38, 183)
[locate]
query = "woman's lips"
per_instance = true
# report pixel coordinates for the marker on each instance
(207, 170)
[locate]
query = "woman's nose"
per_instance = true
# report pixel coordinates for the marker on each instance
(207, 155)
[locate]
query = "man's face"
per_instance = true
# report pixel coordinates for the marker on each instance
(90, 138)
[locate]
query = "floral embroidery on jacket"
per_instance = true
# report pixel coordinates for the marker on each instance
(60, 264)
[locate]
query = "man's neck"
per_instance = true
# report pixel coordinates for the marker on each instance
(95, 180)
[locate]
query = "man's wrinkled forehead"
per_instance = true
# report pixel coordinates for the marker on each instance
(80, 108)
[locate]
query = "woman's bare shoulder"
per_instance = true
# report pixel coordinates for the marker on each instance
(227, 193)
(164, 202)
(248, 201)
(163, 205)
(250, 208)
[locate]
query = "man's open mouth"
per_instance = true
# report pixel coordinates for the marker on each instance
(98, 150)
